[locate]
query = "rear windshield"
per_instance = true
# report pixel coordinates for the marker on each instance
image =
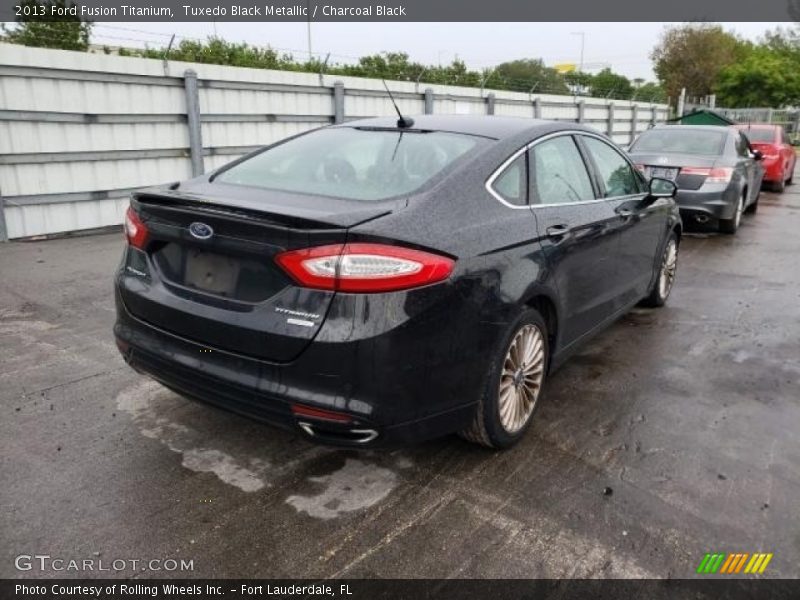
(357, 164)
(680, 141)
(760, 134)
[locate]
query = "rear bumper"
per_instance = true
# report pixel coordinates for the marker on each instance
(703, 207)
(393, 388)
(774, 170)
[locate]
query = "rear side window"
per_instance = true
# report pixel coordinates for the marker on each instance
(512, 183)
(558, 173)
(615, 172)
(760, 134)
(357, 164)
(680, 141)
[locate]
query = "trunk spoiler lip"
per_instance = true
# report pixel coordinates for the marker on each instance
(264, 211)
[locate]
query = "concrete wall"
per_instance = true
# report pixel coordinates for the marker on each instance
(78, 131)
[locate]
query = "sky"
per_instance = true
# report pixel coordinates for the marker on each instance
(624, 47)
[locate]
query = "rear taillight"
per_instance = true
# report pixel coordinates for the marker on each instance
(312, 412)
(135, 230)
(364, 267)
(712, 175)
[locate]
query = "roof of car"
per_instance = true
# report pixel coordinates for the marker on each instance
(722, 128)
(756, 126)
(483, 125)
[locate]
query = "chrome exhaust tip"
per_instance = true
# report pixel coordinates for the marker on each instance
(355, 436)
(701, 218)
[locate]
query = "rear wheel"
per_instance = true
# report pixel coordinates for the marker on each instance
(731, 225)
(514, 386)
(666, 274)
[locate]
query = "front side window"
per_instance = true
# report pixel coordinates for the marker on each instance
(558, 173)
(742, 146)
(615, 172)
(356, 164)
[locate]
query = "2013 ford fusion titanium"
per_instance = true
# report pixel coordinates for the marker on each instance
(383, 282)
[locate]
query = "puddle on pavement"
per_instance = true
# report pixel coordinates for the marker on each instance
(357, 485)
(251, 463)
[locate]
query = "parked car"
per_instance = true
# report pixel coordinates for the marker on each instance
(369, 283)
(779, 155)
(717, 174)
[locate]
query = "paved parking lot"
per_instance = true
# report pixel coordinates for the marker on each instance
(674, 433)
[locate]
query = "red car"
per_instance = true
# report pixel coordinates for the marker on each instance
(779, 156)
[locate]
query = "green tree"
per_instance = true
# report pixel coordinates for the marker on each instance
(764, 78)
(63, 32)
(217, 51)
(523, 74)
(692, 56)
(387, 65)
(785, 42)
(650, 92)
(608, 83)
(578, 81)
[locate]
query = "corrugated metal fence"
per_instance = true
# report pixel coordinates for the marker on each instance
(79, 131)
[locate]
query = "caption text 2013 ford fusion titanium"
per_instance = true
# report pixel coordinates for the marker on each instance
(391, 281)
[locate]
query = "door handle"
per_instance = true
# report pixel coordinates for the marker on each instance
(558, 230)
(625, 213)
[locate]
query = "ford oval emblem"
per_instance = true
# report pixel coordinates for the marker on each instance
(201, 231)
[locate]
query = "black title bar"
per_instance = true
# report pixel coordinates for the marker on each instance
(419, 10)
(702, 588)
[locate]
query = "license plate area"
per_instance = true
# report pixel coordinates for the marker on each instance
(212, 273)
(663, 172)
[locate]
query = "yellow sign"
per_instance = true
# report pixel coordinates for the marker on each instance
(565, 67)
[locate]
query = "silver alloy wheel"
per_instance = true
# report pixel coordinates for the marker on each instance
(521, 380)
(669, 266)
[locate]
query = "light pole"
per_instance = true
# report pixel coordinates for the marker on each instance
(308, 13)
(583, 45)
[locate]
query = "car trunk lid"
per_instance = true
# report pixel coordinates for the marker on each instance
(210, 274)
(684, 169)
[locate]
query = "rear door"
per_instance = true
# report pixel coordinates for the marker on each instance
(642, 224)
(579, 233)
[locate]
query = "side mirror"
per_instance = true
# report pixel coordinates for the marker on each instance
(662, 188)
(758, 155)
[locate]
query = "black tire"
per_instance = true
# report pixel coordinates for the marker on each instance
(487, 427)
(790, 181)
(732, 225)
(779, 186)
(658, 295)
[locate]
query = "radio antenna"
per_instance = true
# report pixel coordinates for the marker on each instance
(402, 122)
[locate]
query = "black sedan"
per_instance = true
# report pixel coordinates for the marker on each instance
(717, 173)
(385, 281)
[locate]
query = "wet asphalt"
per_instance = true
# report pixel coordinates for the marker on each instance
(674, 433)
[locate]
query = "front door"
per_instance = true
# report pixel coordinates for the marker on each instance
(579, 234)
(642, 222)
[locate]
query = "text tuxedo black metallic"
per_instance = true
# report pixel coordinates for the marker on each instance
(382, 282)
